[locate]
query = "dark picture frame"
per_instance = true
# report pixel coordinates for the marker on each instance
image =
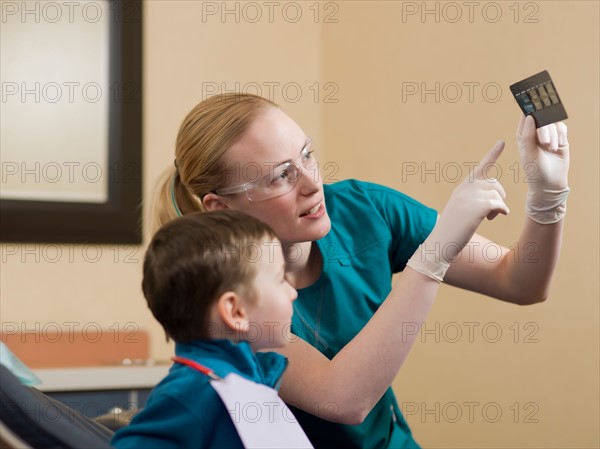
(118, 220)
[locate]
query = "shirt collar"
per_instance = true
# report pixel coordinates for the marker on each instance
(225, 356)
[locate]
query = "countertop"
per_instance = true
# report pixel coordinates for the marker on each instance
(101, 377)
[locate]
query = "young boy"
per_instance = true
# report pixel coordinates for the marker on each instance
(215, 281)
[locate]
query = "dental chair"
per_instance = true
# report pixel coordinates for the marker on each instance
(30, 419)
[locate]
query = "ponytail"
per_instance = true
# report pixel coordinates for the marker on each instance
(171, 200)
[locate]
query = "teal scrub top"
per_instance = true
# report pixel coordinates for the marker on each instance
(374, 231)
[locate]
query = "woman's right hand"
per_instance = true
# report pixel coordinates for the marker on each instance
(474, 199)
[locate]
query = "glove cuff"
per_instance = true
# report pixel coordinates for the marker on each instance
(547, 206)
(429, 262)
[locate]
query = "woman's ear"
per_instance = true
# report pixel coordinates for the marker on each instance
(233, 312)
(212, 201)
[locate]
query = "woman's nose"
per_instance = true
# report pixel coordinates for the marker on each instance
(310, 178)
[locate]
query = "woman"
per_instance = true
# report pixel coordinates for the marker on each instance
(344, 241)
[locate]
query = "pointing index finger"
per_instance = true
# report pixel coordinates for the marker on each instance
(489, 159)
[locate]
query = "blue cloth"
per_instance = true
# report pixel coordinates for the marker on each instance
(184, 411)
(18, 368)
(374, 232)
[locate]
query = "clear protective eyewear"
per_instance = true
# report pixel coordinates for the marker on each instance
(277, 182)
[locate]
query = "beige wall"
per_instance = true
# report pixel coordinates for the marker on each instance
(542, 373)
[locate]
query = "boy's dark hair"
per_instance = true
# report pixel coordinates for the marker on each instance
(193, 260)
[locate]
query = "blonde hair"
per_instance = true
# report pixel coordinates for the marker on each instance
(205, 134)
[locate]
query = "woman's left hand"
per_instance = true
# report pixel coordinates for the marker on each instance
(544, 154)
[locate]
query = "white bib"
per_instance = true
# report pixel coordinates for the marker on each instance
(260, 417)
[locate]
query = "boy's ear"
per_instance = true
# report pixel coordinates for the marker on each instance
(212, 201)
(233, 311)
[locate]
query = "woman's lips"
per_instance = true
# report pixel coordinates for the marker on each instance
(315, 212)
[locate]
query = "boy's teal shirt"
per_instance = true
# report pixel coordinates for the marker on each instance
(374, 231)
(184, 411)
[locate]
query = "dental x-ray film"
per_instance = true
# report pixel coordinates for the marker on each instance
(537, 96)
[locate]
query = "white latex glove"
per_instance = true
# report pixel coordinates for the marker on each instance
(474, 199)
(545, 158)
